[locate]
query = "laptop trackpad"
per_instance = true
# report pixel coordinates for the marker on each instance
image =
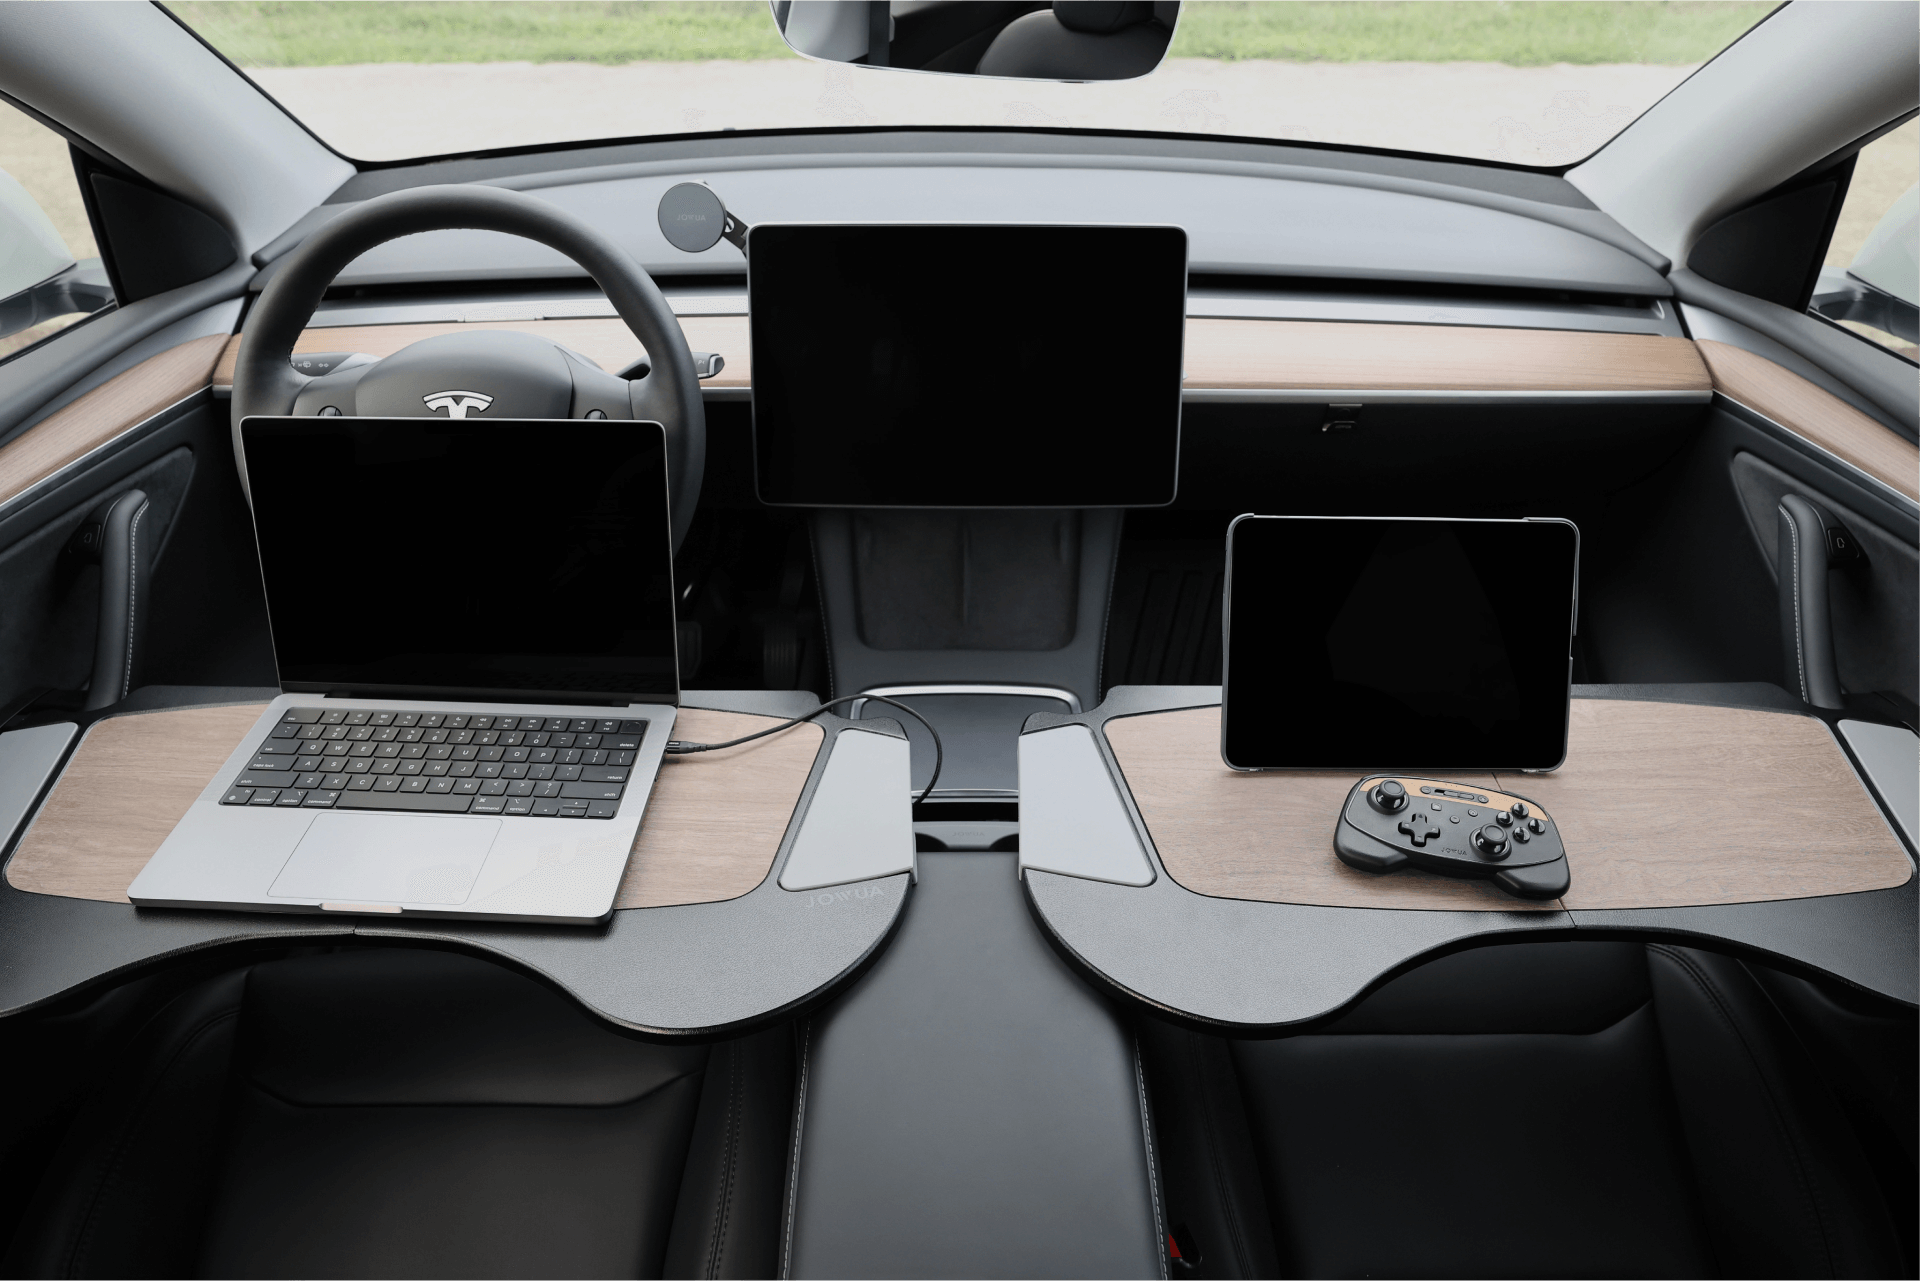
(387, 858)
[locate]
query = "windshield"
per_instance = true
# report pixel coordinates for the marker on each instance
(1534, 83)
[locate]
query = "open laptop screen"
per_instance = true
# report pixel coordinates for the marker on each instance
(498, 561)
(966, 366)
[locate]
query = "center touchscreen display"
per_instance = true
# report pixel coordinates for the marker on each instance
(966, 366)
(1367, 643)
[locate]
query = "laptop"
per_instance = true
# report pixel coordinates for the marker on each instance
(473, 625)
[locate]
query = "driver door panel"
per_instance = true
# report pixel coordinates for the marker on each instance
(157, 429)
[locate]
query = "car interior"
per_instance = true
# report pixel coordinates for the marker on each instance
(951, 944)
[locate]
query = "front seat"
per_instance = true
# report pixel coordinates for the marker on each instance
(1082, 40)
(1554, 1108)
(405, 1113)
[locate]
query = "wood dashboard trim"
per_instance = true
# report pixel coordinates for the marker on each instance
(124, 401)
(1222, 355)
(1814, 414)
(713, 823)
(1659, 804)
(1286, 354)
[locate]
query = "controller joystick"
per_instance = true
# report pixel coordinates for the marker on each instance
(1389, 798)
(1468, 833)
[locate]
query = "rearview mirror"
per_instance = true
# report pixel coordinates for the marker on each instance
(1010, 39)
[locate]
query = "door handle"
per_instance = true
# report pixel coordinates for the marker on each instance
(1811, 542)
(117, 534)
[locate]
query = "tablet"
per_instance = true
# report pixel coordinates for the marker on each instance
(1367, 643)
(929, 365)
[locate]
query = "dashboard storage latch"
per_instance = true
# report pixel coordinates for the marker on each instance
(1341, 418)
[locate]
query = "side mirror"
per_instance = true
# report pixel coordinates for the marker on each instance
(1881, 286)
(31, 250)
(1010, 39)
(40, 283)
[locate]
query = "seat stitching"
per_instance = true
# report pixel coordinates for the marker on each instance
(109, 1170)
(1153, 1178)
(254, 1083)
(1235, 1232)
(730, 1160)
(799, 1125)
(1777, 1113)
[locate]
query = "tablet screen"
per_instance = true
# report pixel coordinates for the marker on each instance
(966, 366)
(1371, 643)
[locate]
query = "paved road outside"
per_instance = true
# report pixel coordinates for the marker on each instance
(1530, 115)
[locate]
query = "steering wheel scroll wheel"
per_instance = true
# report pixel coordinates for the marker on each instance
(495, 373)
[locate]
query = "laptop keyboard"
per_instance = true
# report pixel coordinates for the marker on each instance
(441, 763)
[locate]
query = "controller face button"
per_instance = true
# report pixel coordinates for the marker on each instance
(1453, 818)
(1520, 809)
(1521, 835)
(1535, 825)
(1472, 813)
(1491, 841)
(1505, 820)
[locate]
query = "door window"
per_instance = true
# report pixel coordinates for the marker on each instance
(50, 271)
(1870, 282)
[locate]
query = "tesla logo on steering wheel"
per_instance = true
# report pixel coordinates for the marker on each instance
(457, 403)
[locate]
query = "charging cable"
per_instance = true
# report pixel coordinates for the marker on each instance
(677, 748)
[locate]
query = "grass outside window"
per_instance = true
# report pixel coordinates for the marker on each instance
(1527, 33)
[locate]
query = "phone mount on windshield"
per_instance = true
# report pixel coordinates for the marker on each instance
(693, 220)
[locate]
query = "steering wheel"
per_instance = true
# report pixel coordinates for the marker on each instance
(498, 374)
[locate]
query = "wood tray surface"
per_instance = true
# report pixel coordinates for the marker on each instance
(712, 827)
(1659, 804)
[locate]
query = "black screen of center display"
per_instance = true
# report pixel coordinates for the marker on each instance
(967, 366)
(1398, 644)
(500, 559)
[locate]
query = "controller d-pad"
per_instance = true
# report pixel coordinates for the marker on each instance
(1419, 829)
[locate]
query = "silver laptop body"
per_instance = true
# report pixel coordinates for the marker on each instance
(533, 821)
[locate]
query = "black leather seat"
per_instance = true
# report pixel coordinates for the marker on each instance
(1556, 1108)
(411, 1113)
(1082, 40)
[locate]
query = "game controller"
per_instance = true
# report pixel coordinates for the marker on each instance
(1390, 822)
